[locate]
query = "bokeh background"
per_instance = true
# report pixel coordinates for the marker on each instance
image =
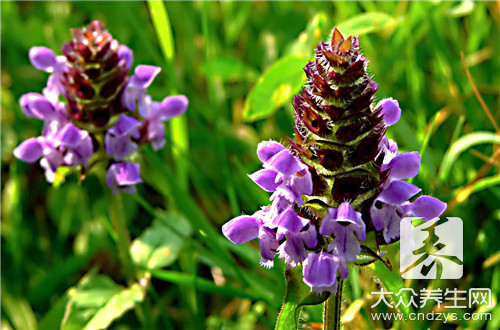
(239, 63)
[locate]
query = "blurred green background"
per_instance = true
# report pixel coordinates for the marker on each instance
(239, 63)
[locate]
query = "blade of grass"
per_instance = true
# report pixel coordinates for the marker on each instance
(178, 125)
(478, 95)
(463, 143)
(427, 138)
(202, 284)
(216, 104)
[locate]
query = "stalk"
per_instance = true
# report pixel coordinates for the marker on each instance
(332, 308)
(117, 216)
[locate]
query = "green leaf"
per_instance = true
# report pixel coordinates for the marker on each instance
(393, 283)
(116, 307)
(275, 88)
(93, 303)
(298, 294)
(365, 23)
(159, 245)
(229, 69)
(465, 142)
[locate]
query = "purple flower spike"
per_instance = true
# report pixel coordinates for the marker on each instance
(43, 58)
(90, 87)
(320, 272)
(29, 151)
(241, 229)
(118, 139)
(123, 177)
(340, 156)
(390, 110)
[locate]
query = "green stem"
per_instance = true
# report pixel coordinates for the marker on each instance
(331, 311)
(117, 216)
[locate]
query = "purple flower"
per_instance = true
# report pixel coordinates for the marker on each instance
(59, 146)
(341, 156)
(346, 224)
(118, 138)
(391, 205)
(288, 178)
(320, 271)
(30, 150)
(88, 90)
(156, 113)
(123, 177)
(136, 88)
(283, 174)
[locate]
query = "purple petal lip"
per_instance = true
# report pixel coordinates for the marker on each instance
(70, 135)
(390, 110)
(173, 106)
(286, 163)
(398, 192)
(123, 174)
(29, 151)
(266, 179)
(346, 213)
(241, 229)
(145, 74)
(267, 149)
(126, 55)
(320, 270)
(405, 165)
(289, 220)
(43, 58)
(427, 207)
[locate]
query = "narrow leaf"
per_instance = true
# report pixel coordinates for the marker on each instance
(275, 88)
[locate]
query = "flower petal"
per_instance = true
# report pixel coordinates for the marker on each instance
(144, 75)
(241, 229)
(426, 207)
(267, 149)
(126, 55)
(301, 183)
(173, 106)
(398, 192)
(286, 163)
(43, 58)
(290, 221)
(310, 237)
(268, 243)
(29, 151)
(390, 111)
(346, 213)
(405, 165)
(266, 179)
(320, 271)
(70, 135)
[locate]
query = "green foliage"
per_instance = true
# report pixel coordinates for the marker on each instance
(239, 63)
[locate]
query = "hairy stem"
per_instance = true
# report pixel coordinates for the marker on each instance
(117, 216)
(332, 308)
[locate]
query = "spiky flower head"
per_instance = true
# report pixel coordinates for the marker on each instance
(353, 170)
(89, 108)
